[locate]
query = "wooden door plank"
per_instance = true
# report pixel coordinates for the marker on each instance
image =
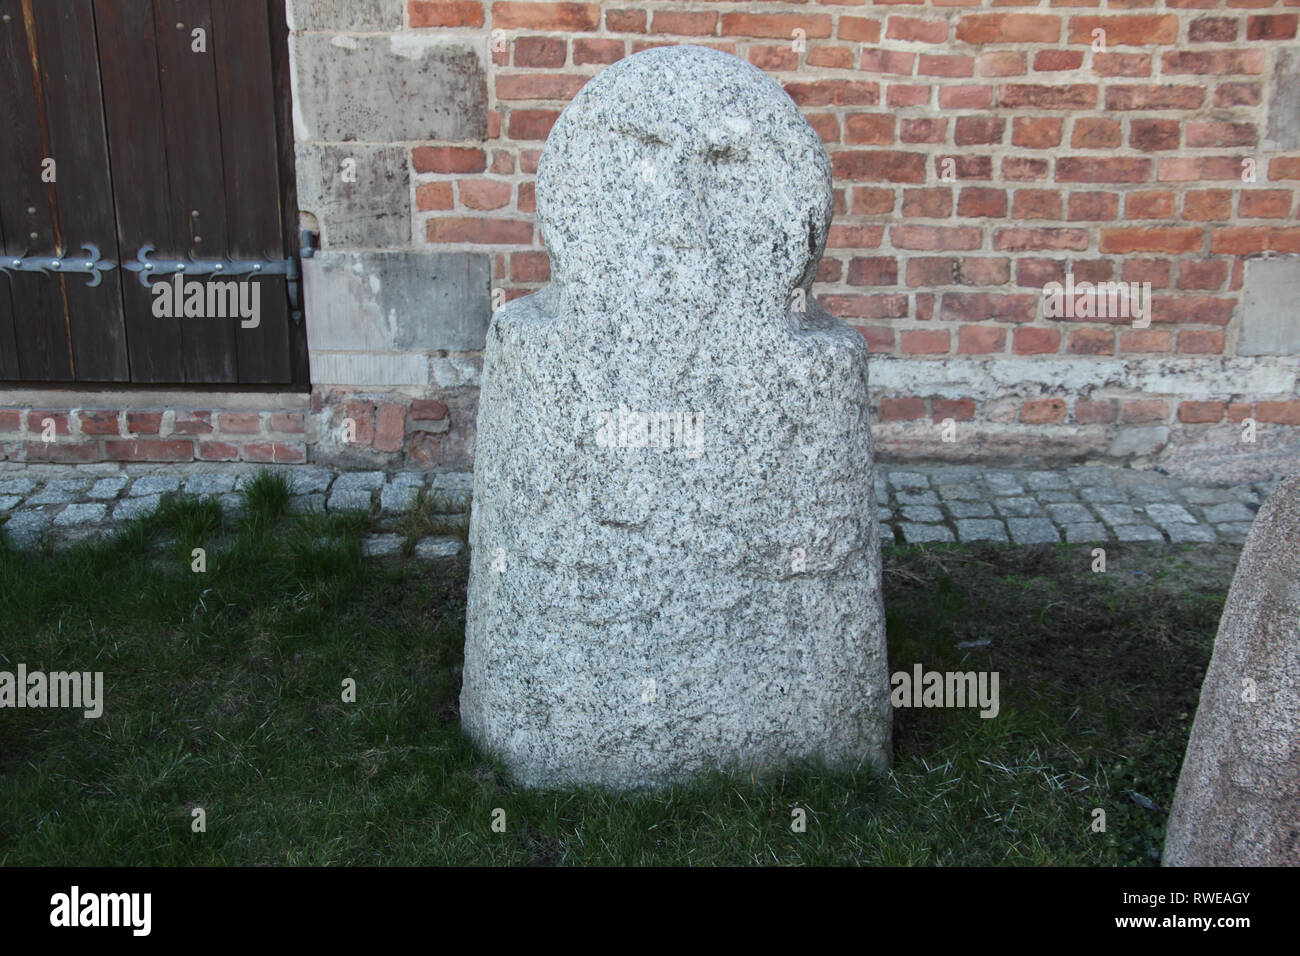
(141, 191)
(41, 330)
(83, 192)
(241, 46)
(198, 191)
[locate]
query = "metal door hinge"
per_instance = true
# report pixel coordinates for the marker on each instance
(149, 270)
(88, 263)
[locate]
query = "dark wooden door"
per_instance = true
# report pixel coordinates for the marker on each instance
(168, 123)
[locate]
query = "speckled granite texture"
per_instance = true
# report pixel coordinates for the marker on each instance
(1238, 796)
(676, 558)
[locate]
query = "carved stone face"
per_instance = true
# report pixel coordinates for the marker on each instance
(682, 176)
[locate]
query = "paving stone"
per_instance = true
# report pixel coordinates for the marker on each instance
(922, 513)
(154, 485)
(1118, 514)
(1085, 531)
(1032, 530)
(1070, 514)
(80, 514)
(8, 501)
(1138, 532)
(962, 491)
(1233, 531)
(1039, 480)
(1231, 511)
(1184, 533)
(1018, 507)
(981, 529)
(26, 527)
(916, 497)
(1083, 476)
(129, 508)
(305, 504)
(908, 479)
(1056, 495)
(209, 484)
(1164, 513)
(397, 497)
(362, 480)
(884, 514)
(1246, 495)
(311, 480)
(1206, 496)
(107, 487)
(970, 509)
(59, 492)
(922, 533)
(380, 545)
(440, 547)
(16, 486)
(1003, 483)
(1153, 493)
(1103, 494)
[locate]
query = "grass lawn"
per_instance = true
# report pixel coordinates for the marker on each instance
(223, 691)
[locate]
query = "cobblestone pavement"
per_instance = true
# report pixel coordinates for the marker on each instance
(917, 504)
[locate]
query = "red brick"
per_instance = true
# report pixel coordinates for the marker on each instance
(1008, 28)
(983, 271)
(1121, 64)
(875, 270)
(927, 129)
(1015, 239)
(1166, 97)
(448, 159)
(958, 409)
(1203, 275)
(879, 338)
(1154, 134)
(965, 97)
(866, 306)
(390, 426)
(1201, 342)
(834, 92)
(1091, 342)
(1279, 27)
(976, 202)
(854, 237)
(1213, 30)
(527, 198)
(1137, 30)
(454, 14)
(1043, 411)
(945, 64)
(1093, 207)
(1100, 412)
(1170, 239)
(1244, 240)
(859, 29)
(588, 50)
(546, 16)
(872, 201)
(530, 267)
(1038, 132)
(428, 410)
(1197, 309)
(1076, 96)
(1216, 133)
(625, 21)
(149, 450)
(1096, 133)
(1206, 205)
(776, 25)
(532, 124)
(1076, 169)
(1146, 340)
(1199, 413)
(1023, 169)
(869, 129)
(1237, 94)
(1265, 204)
(540, 86)
(978, 130)
(1001, 63)
(876, 165)
(1036, 204)
(92, 423)
(981, 339)
(432, 196)
(11, 420)
(685, 23)
(1278, 413)
(988, 306)
(931, 271)
(935, 237)
(483, 193)
(904, 95)
(1054, 61)
(546, 52)
(887, 61)
(36, 416)
(774, 58)
(232, 423)
(1216, 62)
(1149, 204)
(287, 422)
(1144, 410)
(1237, 411)
(919, 342)
(833, 57)
(964, 167)
(914, 28)
(192, 423)
(901, 409)
(363, 417)
(486, 231)
(217, 451)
